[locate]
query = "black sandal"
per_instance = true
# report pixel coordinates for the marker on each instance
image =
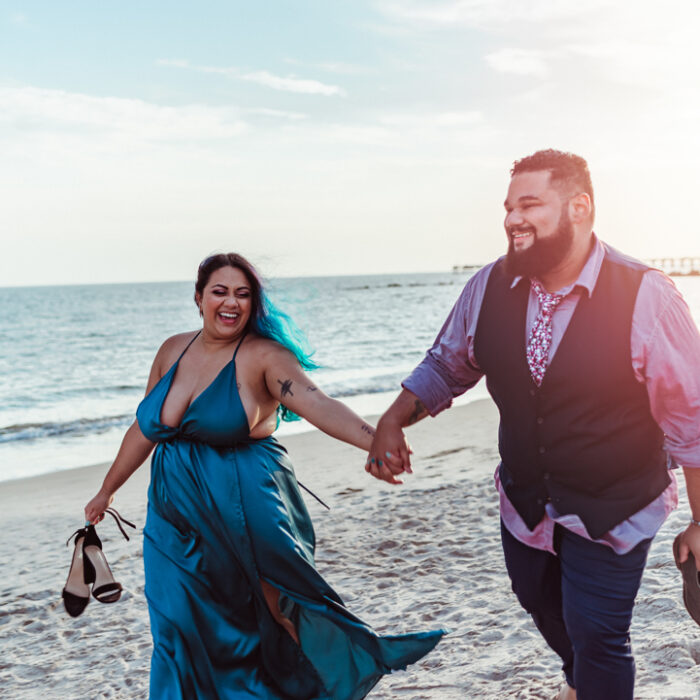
(105, 589)
(89, 566)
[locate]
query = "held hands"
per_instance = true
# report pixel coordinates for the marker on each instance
(390, 453)
(94, 510)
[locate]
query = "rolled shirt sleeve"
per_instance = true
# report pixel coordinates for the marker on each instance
(666, 357)
(449, 367)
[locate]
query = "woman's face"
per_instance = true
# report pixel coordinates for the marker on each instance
(226, 302)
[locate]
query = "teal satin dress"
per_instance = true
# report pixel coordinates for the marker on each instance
(224, 513)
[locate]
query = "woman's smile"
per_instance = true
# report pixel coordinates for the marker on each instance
(229, 318)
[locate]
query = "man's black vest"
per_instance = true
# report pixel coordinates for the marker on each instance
(585, 439)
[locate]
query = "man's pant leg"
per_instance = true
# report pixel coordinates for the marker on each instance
(582, 601)
(598, 592)
(536, 580)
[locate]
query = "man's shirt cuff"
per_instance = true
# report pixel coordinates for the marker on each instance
(429, 386)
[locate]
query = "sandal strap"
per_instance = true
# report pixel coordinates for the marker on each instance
(76, 534)
(112, 587)
(119, 520)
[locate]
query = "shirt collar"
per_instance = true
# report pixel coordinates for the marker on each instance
(589, 273)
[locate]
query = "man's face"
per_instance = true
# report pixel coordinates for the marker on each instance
(537, 223)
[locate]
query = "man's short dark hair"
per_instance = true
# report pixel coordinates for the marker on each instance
(568, 171)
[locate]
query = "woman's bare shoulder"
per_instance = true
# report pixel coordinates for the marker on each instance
(172, 347)
(266, 347)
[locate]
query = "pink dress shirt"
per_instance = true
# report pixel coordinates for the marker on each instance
(665, 346)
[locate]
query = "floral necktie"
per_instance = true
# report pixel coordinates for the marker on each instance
(541, 335)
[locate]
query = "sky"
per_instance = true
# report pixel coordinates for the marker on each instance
(325, 137)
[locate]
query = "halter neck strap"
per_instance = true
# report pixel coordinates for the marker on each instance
(235, 352)
(187, 347)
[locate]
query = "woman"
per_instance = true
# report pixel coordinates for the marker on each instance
(237, 607)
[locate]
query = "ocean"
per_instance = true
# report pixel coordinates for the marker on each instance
(74, 359)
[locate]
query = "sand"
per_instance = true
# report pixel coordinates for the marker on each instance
(420, 556)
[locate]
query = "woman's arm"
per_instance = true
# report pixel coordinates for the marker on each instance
(288, 384)
(133, 451)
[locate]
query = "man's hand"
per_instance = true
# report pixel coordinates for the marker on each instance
(690, 543)
(390, 453)
(690, 539)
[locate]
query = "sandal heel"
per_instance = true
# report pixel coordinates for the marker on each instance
(105, 589)
(76, 592)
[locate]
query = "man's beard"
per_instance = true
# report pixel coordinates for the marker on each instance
(545, 254)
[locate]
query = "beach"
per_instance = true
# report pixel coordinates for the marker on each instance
(420, 556)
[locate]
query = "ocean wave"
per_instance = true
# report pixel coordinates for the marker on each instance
(81, 426)
(373, 385)
(93, 426)
(53, 395)
(106, 390)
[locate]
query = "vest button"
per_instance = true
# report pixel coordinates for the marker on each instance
(542, 450)
(532, 392)
(545, 476)
(540, 420)
(539, 501)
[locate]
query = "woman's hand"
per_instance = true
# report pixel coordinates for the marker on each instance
(94, 510)
(390, 453)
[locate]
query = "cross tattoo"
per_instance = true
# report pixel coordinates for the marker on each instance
(286, 387)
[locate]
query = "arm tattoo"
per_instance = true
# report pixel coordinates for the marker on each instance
(365, 428)
(419, 411)
(286, 387)
(311, 388)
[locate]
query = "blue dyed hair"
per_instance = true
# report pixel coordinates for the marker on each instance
(265, 318)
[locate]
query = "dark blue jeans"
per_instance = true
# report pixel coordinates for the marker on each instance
(581, 602)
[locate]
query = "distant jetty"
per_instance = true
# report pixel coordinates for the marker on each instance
(677, 267)
(465, 268)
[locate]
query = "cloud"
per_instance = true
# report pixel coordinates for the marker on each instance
(277, 113)
(486, 13)
(107, 122)
(432, 131)
(663, 66)
(37, 109)
(433, 120)
(519, 61)
(290, 83)
(649, 50)
(338, 67)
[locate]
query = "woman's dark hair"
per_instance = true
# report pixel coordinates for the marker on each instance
(265, 318)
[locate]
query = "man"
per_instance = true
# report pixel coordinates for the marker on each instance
(594, 363)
